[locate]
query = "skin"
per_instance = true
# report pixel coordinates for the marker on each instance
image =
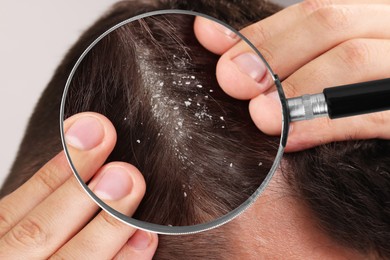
(55, 218)
(349, 42)
(280, 226)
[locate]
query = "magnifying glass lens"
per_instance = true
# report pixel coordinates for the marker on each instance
(202, 157)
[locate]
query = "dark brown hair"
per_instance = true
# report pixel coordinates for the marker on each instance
(173, 121)
(347, 187)
(345, 184)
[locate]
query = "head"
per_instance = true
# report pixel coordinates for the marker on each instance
(330, 201)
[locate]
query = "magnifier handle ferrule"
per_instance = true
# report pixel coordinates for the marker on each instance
(307, 107)
(342, 101)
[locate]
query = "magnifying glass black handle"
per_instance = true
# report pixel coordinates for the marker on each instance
(357, 99)
(342, 101)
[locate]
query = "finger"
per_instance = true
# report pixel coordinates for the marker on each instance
(357, 60)
(219, 39)
(264, 30)
(141, 246)
(319, 32)
(50, 224)
(215, 37)
(122, 187)
(91, 152)
(58, 217)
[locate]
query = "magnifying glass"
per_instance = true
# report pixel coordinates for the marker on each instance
(151, 77)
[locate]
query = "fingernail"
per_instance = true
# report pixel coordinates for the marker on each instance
(141, 240)
(223, 29)
(86, 133)
(115, 184)
(251, 64)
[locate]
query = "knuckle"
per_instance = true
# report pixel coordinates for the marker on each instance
(47, 178)
(332, 17)
(109, 220)
(259, 33)
(355, 54)
(58, 256)
(378, 119)
(268, 56)
(291, 88)
(29, 233)
(310, 6)
(5, 220)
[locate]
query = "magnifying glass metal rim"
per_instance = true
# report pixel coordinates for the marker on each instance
(178, 230)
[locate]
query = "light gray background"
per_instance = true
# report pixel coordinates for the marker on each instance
(34, 36)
